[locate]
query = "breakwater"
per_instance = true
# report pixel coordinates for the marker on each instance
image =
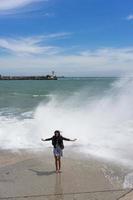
(47, 77)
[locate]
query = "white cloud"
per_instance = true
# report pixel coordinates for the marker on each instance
(57, 35)
(99, 61)
(27, 46)
(13, 4)
(129, 17)
(31, 45)
(111, 54)
(21, 8)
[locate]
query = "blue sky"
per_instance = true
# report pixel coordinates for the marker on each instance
(72, 37)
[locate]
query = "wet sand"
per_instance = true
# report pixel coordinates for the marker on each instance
(128, 196)
(26, 175)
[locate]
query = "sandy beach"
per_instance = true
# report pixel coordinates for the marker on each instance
(32, 176)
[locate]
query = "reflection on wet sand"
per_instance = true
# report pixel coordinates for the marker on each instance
(58, 187)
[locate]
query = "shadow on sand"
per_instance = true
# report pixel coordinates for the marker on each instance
(42, 173)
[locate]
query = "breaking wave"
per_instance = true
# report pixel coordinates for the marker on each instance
(103, 124)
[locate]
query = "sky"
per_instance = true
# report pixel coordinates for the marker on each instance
(71, 37)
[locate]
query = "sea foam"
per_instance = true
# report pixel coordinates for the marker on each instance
(102, 124)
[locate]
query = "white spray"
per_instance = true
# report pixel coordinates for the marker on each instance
(103, 126)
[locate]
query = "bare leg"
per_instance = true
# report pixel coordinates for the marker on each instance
(59, 159)
(56, 163)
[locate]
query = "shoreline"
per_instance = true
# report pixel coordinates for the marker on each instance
(32, 175)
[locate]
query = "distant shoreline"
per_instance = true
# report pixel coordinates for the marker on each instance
(49, 77)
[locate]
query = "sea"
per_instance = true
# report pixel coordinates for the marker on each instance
(98, 111)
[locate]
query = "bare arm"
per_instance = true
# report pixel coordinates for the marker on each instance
(48, 139)
(67, 139)
(73, 140)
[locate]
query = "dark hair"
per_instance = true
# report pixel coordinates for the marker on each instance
(57, 132)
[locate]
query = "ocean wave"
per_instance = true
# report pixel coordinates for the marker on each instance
(103, 124)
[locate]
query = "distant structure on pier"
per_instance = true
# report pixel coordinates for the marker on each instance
(47, 77)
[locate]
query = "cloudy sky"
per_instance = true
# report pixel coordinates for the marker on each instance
(72, 37)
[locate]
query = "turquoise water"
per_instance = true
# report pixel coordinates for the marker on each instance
(23, 96)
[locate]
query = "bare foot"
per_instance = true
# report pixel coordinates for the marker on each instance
(60, 171)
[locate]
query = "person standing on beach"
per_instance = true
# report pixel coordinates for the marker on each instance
(57, 142)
